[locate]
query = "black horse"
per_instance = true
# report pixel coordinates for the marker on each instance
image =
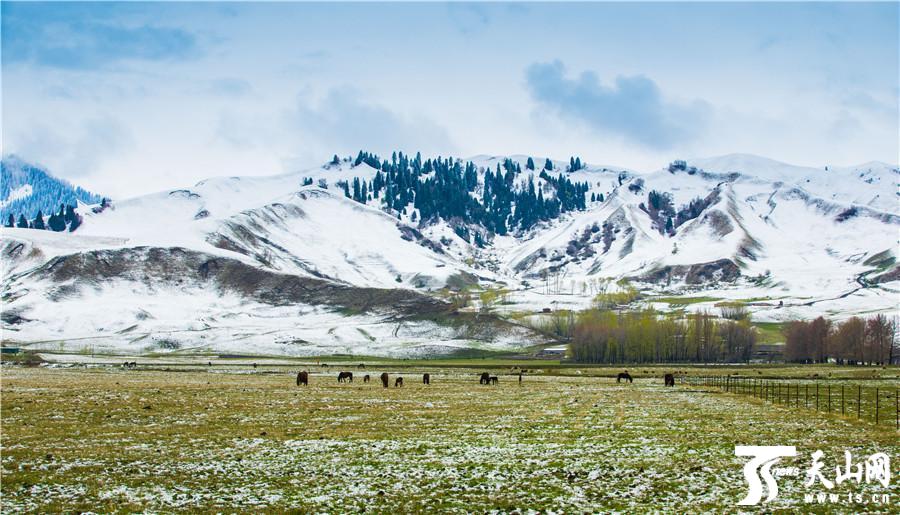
(384, 379)
(624, 375)
(485, 378)
(493, 380)
(398, 382)
(366, 378)
(303, 378)
(669, 379)
(345, 376)
(426, 379)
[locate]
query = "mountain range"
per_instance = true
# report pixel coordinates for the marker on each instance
(409, 257)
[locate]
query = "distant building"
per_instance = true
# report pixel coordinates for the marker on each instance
(558, 351)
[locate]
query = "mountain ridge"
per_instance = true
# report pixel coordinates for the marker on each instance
(715, 229)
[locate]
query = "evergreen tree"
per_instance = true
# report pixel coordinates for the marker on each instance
(335, 160)
(72, 218)
(548, 165)
(529, 164)
(56, 222)
(11, 222)
(23, 223)
(39, 221)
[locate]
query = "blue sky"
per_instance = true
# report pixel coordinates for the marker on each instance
(130, 98)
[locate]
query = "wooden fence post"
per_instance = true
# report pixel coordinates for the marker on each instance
(858, 400)
(876, 405)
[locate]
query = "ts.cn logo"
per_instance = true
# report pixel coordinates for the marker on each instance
(764, 456)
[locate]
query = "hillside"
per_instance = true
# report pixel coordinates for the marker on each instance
(232, 262)
(26, 189)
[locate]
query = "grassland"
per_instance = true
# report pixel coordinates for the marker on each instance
(235, 438)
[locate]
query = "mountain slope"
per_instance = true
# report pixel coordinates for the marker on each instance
(284, 264)
(26, 188)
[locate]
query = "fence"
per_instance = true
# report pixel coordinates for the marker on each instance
(880, 405)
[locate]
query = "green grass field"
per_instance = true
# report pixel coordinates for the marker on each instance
(243, 439)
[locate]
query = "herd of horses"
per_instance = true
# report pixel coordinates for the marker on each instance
(485, 378)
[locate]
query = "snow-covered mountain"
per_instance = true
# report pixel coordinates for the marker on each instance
(26, 188)
(288, 264)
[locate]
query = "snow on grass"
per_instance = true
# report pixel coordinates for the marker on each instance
(161, 441)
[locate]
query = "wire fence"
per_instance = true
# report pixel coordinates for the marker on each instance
(880, 405)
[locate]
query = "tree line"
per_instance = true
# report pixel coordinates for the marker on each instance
(606, 336)
(856, 341)
(66, 219)
(449, 188)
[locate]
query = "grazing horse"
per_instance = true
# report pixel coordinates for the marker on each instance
(303, 378)
(426, 379)
(398, 382)
(485, 378)
(384, 379)
(493, 380)
(624, 375)
(130, 364)
(366, 378)
(345, 376)
(361, 365)
(670, 380)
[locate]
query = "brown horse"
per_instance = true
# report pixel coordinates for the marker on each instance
(398, 382)
(426, 379)
(366, 378)
(485, 378)
(384, 379)
(345, 376)
(669, 379)
(303, 378)
(624, 375)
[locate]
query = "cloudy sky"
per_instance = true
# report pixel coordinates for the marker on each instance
(131, 98)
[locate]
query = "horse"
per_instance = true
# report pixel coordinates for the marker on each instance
(345, 376)
(130, 364)
(398, 382)
(366, 378)
(669, 379)
(426, 379)
(384, 379)
(303, 378)
(361, 366)
(485, 378)
(624, 375)
(494, 380)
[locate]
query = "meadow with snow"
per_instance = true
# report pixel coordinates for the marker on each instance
(198, 438)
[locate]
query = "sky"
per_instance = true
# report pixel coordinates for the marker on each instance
(131, 98)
